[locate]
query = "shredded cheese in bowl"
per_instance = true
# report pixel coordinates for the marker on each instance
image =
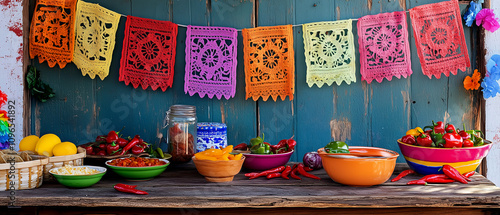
(71, 170)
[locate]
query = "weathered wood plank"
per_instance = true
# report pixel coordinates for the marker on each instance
(183, 187)
(297, 211)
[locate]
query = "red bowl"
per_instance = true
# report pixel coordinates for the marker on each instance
(265, 162)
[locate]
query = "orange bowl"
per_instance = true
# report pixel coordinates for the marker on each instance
(374, 169)
(218, 171)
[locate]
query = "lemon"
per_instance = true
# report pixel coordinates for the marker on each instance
(28, 143)
(64, 148)
(46, 143)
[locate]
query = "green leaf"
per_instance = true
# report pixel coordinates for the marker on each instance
(37, 88)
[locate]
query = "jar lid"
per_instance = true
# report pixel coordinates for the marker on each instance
(212, 126)
(183, 110)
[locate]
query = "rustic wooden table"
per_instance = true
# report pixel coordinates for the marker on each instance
(180, 189)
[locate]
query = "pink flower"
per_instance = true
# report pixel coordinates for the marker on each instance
(488, 19)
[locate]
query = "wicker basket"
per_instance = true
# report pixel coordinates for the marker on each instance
(27, 175)
(59, 161)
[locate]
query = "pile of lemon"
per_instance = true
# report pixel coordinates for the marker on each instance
(48, 145)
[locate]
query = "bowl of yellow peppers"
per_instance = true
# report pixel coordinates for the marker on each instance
(218, 165)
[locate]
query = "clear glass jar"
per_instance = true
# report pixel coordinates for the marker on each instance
(181, 132)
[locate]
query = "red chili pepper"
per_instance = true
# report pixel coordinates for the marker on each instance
(301, 170)
(403, 174)
(419, 182)
(140, 139)
(409, 139)
(467, 143)
(308, 169)
(251, 174)
(434, 176)
(293, 173)
(273, 175)
(282, 143)
(101, 153)
(453, 140)
(100, 138)
(112, 137)
(274, 149)
(130, 144)
(241, 146)
(439, 180)
(469, 174)
(102, 146)
(464, 135)
(454, 174)
(267, 172)
(129, 190)
(89, 150)
(285, 173)
(127, 186)
(450, 128)
(121, 142)
(424, 140)
(112, 148)
(137, 149)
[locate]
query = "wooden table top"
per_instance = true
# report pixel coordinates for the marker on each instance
(182, 187)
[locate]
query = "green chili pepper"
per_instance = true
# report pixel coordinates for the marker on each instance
(337, 147)
(256, 141)
(479, 141)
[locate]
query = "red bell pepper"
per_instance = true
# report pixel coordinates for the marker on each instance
(112, 148)
(137, 149)
(112, 137)
(100, 138)
(409, 139)
(468, 143)
(450, 128)
(453, 140)
(424, 140)
(121, 142)
(464, 135)
(438, 127)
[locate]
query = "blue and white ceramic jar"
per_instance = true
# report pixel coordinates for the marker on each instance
(211, 135)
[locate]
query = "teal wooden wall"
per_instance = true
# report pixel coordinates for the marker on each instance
(362, 114)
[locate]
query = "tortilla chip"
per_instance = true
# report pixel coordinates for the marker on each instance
(8, 151)
(17, 158)
(2, 160)
(25, 156)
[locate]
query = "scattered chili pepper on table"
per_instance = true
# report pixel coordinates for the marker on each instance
(267, 172)
(418, 182)
(286, 172)
(454, 174)
(301, 170)
(403, 174)
(273, 175)
(469, 174)
(128, 189)
(293, 173)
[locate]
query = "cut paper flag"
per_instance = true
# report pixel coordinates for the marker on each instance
(383, 46)
(211, 61)
(95, 39)
(148, 53)
(329, 53)
(439, 38)
(269, 62)
(52, 33)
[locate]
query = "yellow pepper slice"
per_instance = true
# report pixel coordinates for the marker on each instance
(415, 132)
(238, 156)
(228, 149)
(204, 157)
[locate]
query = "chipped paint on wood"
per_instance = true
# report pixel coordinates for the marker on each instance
(369, 4)
(335, 99)
(222, 113)
(341, 129)
(407, 106)
(366, 99)
(11, 64)
(402, 4)
(338, 13)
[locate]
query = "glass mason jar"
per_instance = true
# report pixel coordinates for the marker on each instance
(181, 132)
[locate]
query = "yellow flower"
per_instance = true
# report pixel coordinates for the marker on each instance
(472, 83)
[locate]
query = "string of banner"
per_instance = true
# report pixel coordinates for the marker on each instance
(149, 47)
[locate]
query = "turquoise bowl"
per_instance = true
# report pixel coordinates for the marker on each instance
(79, 181)
(138, 173)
